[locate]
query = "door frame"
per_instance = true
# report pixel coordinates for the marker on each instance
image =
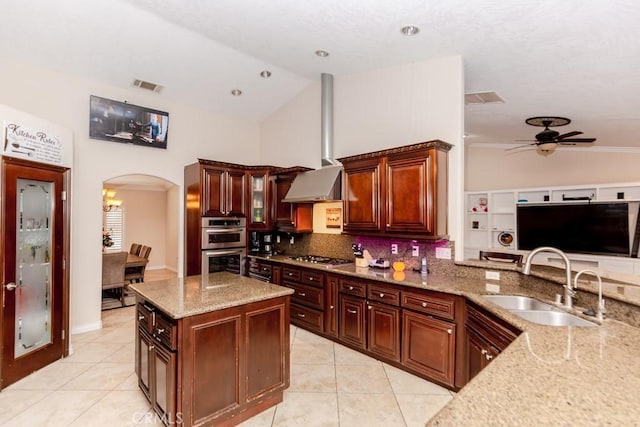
(66, 244)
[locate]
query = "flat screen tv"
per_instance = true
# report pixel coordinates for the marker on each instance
(589, 228)
(127, 123)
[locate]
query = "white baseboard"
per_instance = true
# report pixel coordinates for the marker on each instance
(86, 328)
(162, 267)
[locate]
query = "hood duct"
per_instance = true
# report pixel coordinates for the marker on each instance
(323, 184)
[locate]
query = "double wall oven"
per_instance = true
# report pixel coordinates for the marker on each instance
(224, 245)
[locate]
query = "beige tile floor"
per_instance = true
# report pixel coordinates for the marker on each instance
(331, 385)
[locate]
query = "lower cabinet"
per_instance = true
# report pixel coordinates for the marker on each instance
(429, 346)
(383, 327)
(331, 306)
(479, 352)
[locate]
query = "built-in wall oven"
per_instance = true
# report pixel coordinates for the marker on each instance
(224, 245)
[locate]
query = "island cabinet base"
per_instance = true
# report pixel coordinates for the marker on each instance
(231, 363)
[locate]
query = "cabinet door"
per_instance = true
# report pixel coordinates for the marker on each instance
(144, 346)
(163, 396)
(291, 217)
(428, 346)
(409, 194)
(362, 196)
(352, 321)
(213, 192)
(331, 306)
(259, 211)
(235, 193)
(476, 353)
(384, 331)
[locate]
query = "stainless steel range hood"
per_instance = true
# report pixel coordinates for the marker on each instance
(324, 184)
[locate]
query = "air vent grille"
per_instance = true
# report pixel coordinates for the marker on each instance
(482, 98)
(147, 85)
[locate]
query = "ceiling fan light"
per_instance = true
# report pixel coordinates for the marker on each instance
(546, 148)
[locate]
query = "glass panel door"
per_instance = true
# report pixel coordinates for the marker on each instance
(258, 188)
(33, 270)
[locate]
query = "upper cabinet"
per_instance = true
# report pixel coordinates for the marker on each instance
(291, 217)
(260, 197)
(223, 191)
(400, 191)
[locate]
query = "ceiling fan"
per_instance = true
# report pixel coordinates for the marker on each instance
(547, 140)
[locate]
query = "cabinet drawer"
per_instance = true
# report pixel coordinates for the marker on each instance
(165, 331)
(307, 295)
(291, 274)
(145, 318)
(496, 331)
(383, 294)
(352, 287)
(429, 303)
(259, 268)
(312, 278)
(307, 317)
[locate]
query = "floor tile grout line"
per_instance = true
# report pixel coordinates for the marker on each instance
(393, 391)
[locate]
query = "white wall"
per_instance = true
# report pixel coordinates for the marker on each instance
(64, 99)
(174, 207)
(381, 109)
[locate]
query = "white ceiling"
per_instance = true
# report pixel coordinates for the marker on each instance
(573, 58)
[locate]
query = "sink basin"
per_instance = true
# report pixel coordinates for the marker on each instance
(553, 318)
(516, 302)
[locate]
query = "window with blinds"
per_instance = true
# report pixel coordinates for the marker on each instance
(114, 224)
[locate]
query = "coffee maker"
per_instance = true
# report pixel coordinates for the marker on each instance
(261, 242)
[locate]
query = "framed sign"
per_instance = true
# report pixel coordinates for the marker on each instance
(334, 217)
(127, 123)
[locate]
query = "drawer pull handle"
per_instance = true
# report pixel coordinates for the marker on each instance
(351, 311)
(265, 269)
(484, 351)
(141, 317)
(302, 294)
(424, 304)
(159, 331)
(381, 295)
(301, 315)
(350, 288)
(151, 347)
(488, 356)
(449, 331)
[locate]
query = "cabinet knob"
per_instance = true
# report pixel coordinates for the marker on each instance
(350, 288)
(311, 279)
(351, 311)
(424, 304)
(381, 295)
(332, 307)
(388, 225)
(151, 347)
(369, 307)
(289, 274)
(449, 331)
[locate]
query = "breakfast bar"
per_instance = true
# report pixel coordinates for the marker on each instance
(212, 349)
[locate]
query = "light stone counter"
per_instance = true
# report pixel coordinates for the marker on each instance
(184, 297)
(548, 375)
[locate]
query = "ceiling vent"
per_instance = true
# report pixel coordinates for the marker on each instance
(147, 85)
(482, 98)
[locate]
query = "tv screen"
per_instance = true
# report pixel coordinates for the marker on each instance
(128, 123)
(592, 228)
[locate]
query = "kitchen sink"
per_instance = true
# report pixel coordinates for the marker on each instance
(516, 302)
(537, 311)
(553, 318)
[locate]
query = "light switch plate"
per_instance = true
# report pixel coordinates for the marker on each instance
(278, 239)
(492, 275)
(443, 253)
(491, 287)
(415, 250)
(394, 249)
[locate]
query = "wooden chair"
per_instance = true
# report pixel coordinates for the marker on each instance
(135, 248)
(501, 256)
(113, 273)
(136, 274)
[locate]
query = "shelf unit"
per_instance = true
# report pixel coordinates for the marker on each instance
(487, 229)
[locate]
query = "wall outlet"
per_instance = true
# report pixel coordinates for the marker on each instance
(394, 249)
(291, 240)
(492, 288)
(492, 275)
(443, 253)
(415, 250)
(278, 238)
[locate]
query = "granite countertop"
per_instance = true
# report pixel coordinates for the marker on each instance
(184, 297)
(548, 375)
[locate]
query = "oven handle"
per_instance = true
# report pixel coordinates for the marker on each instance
(223, 230)
(231, 252)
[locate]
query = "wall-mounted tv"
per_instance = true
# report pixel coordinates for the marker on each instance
(127, 123)
(589, 228)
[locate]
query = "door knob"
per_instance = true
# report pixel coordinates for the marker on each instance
(10, 286)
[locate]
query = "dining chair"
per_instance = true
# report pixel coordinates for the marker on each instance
(136, 274)
(502, 256)
(113, 273)
(135, 248)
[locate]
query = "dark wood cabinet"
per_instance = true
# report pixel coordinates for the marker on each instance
(362, 195)
(291, 217)
(308, 301)
(223, 192)
(486, 336)
(331, 306)
(429, 346)
(398, 192)
(353, 326)
(383, 330)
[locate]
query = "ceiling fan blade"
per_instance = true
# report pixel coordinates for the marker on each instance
(520, 146)
(568, 134)
(574, 140)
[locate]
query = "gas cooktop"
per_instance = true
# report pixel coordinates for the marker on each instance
(317, 259)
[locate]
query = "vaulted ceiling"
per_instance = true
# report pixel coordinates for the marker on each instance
(572, 58)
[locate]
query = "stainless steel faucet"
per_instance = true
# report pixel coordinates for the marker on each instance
(568, 291)
(601, 310)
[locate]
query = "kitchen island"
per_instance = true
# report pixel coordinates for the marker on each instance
(211, 350)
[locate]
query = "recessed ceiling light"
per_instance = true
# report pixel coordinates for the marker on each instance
(265, 74)
(236, 92)
(322, 53)
(410, 30)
